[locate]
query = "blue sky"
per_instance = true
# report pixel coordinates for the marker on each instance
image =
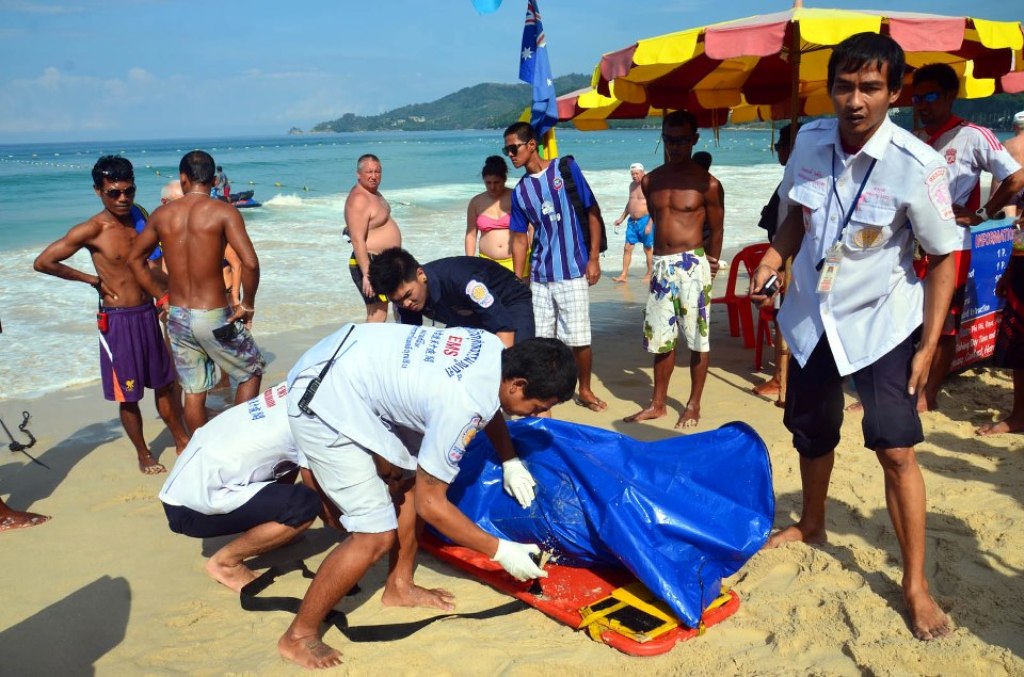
(144, 69)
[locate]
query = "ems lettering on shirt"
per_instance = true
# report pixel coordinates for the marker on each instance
(255, 410)
(454, 347)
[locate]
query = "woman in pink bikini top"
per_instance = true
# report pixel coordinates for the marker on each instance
(488, 215)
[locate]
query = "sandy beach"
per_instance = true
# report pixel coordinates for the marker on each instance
(105, 588)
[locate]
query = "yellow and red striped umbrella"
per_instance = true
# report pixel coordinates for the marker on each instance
(762, 67)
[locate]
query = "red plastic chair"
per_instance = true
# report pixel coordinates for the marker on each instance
(738, 305)
(767, 324)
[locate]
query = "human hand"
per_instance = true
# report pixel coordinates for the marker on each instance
(713, 263)
(965, 217)
(518, 482)
(593, 271)
(515, 559)
(240, 312)
(367, 287)
(919, 368)
(103, 290)
(757, 281)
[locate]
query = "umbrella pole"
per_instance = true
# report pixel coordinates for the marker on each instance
(794, 117)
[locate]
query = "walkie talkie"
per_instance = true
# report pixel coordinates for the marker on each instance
(314, 384)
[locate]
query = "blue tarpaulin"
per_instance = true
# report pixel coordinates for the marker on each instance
(680, 514)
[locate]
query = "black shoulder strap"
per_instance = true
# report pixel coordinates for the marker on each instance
(570, 185)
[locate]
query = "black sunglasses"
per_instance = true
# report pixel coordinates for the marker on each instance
(114, 193)
(676, 140)
(513, 148)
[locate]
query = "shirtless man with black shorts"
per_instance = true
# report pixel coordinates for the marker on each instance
(132, 352)
(194, 230)
(681, 196)
(369, 225)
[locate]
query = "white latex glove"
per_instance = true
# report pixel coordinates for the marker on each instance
(518, 482)
(515, 559)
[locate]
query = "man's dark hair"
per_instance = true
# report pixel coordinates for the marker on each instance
(867, 49)
(113, 168)
(680, 118)
(391, 268)
(523, 131)
(941, 74)
(198, 166)
(702, 158)
(547, 365)
(364, 157)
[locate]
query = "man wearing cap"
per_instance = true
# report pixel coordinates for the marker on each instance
(638, 224)
(1015, 147)
(968, 151)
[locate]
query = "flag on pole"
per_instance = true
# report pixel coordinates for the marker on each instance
(535, 69)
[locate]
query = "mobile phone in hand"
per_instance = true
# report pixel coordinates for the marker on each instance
(770, 287)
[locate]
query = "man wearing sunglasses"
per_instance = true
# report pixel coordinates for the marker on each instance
(132, 351)
(968, 150)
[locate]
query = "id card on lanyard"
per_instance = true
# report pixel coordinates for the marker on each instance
(828, 267)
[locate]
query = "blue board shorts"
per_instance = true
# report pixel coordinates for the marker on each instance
(196, 349)
(635, 231)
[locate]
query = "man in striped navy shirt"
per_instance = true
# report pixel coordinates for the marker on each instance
(562, 269)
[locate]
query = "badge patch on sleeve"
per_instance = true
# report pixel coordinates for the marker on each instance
(466, 436)
(938, 193)
(479, 293)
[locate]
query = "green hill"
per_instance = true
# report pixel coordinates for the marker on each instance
(484, 106)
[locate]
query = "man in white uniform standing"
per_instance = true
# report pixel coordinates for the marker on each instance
(968, 150)
(237, 476)
(850, 189)
(373, 403)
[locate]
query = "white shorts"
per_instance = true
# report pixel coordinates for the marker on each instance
(679, 299)
(562, 310)
(347, 474)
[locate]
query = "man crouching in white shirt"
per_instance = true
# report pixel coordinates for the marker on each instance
(851, 190)
(382, 409)
(236, 476)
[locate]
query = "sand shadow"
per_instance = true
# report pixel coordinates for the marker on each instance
(311, 543)
(1003, 478)
(69, 636)
(32, 482)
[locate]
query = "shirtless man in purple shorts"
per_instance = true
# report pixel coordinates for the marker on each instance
(132, 351)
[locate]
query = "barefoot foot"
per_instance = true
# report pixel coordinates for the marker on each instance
(149, 466)
(415, 596)
(1007, 425)
(769, 388)
(797, 532)
(646, 279)
(651, 412)
(21, 520)
(689, 418)
(620, 278)
(927, 620)
(309, 652)
(235, 577)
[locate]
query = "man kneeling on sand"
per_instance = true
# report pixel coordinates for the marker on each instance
(384, 414)
(236, 476)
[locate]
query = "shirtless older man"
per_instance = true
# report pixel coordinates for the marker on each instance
(682, 195)
(132, 351)
(369, 225)
(204, 329)
(639, 228)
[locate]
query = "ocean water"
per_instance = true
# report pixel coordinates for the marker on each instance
(49, 342)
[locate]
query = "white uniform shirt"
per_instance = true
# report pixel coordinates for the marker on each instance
(233, 456)
(413, 395)
(968, 151)
(876, 300)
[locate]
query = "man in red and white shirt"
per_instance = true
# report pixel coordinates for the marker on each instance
(968, 150)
